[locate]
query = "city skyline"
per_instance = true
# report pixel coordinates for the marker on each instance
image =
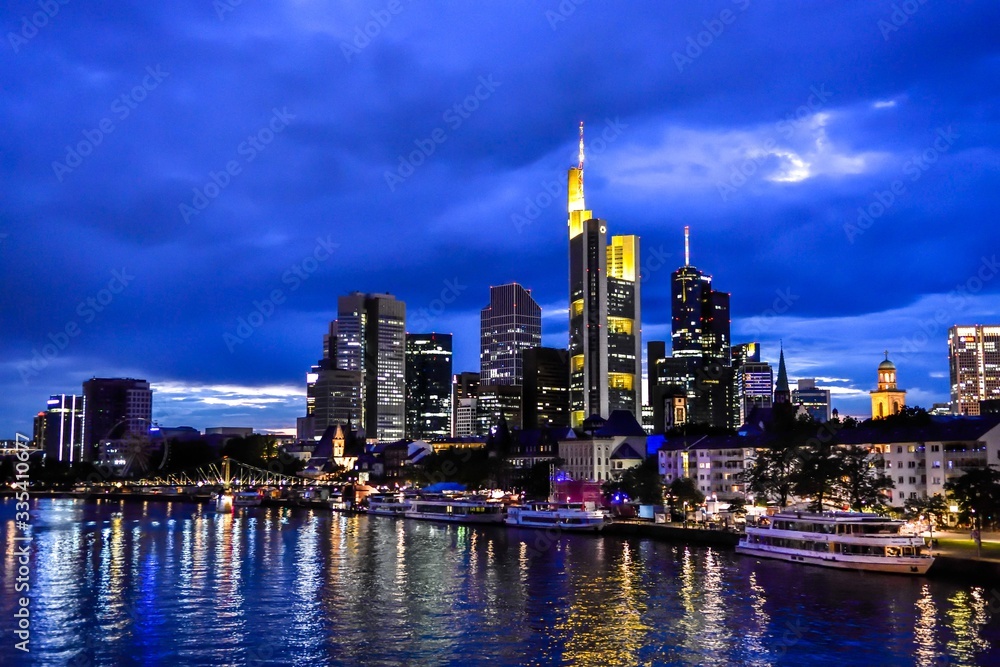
(123, 263)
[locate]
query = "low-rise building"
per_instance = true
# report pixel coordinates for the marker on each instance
(604, 452)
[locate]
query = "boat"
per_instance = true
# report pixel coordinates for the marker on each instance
(560, 516)
(456, 510)
(247, 499)
(224, 502)
(388, 504)
(843, 540)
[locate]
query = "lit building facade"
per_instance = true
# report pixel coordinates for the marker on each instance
(545, 395)
(815, 400)
(63, 430)
(428, 386)
(509, 325)
(754, 384)
(333, 396)
(605, 340)
(464, 395)
(371, 338)
(114, 409)
(974, 364)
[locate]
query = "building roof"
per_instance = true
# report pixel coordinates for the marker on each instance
(620, 422)
(626, 451)
(782, 383)
(940, 429)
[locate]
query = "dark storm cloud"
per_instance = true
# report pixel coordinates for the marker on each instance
(829, 104)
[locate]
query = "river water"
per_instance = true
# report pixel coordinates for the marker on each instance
(117, 583)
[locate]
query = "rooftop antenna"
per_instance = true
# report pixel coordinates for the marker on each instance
(687, 246)
(581, 146)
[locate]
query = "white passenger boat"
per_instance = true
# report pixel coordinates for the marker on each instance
(388, 504)
(247, 499)
(456, 510)
(560, 516)
(844, 540)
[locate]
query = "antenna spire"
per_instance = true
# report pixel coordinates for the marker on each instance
(687, 246)
(581, 145)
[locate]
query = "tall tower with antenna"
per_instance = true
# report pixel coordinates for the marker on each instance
(604, 314)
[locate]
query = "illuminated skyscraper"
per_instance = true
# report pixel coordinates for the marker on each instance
(371, 338)
(974, 362)
(428, 386)
(700, 338)
(63, 430)
(509, 325)
(114, 409)
(605, 341)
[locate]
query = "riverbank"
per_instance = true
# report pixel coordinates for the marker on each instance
(955, 557)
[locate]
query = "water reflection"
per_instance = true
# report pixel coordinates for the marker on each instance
(120, 583)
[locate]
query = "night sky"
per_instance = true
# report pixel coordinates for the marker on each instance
(168, 168)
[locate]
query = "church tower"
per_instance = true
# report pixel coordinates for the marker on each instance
(887, 399)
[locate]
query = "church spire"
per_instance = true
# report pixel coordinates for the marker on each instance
(782, 394)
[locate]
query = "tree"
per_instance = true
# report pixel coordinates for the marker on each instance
(771, 473)
(737, 507)
(684, 490)
(862, 482)
(932, 506)
(642, 483)
(817, 475)
(977, 494)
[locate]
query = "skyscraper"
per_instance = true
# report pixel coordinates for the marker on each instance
(371, 338)
(754, 380)
(63, 431)
(545, 397)
(113, 409)
(974, 363)
(605, 342)
(428, 385)
(333, 396)
(510, 324)
(700, 338)
(464, 395)
(815, 400)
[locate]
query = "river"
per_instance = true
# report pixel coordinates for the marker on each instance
(133, 583)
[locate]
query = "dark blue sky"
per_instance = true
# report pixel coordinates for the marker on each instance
(166, 166)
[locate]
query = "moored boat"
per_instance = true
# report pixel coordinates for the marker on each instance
(559, 516)
(843, 540)
(247, 499)
(388, 504)
(456, 510)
